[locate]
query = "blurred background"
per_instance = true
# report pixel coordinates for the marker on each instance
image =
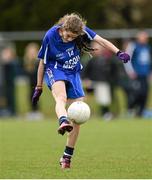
(112, 89)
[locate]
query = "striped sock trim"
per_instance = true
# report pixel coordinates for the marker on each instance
(62, 119)
(66, 154)
(68, 151)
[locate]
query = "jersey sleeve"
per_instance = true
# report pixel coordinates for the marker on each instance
(44, 48)
(90, 33)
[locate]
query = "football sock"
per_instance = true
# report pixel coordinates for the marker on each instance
(62, 119)
(68, 152)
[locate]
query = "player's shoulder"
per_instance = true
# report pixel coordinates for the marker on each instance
(87, 29)
(89, 32)
(52, 31)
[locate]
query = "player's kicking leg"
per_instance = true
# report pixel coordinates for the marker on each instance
(59, 94)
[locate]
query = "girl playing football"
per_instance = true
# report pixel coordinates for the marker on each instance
(60, 67)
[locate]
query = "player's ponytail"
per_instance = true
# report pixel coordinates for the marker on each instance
(83, 43)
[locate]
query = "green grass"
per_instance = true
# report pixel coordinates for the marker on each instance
(116, 149)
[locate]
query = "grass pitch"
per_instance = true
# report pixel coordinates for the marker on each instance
(116, 149)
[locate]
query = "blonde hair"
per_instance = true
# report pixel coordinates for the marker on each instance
(72, 22)
(31, 51)
(30, 56)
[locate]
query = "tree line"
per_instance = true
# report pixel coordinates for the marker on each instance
(24, 15)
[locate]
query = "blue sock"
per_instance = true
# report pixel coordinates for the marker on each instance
(62, 119)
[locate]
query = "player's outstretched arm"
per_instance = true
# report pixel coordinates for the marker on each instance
(108, 45)
(105, 43)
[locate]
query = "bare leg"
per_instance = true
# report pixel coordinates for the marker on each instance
(59, 94)
(73, 135)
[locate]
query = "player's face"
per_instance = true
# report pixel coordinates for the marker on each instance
(68, 36)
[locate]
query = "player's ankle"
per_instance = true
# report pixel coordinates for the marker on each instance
(62, 119)
(68, 152)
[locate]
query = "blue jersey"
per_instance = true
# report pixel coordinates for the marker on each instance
(60, 55)
(62, 61)
(141, 59)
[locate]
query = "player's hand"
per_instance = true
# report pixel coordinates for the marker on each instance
(36, 95)
(124, 57)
